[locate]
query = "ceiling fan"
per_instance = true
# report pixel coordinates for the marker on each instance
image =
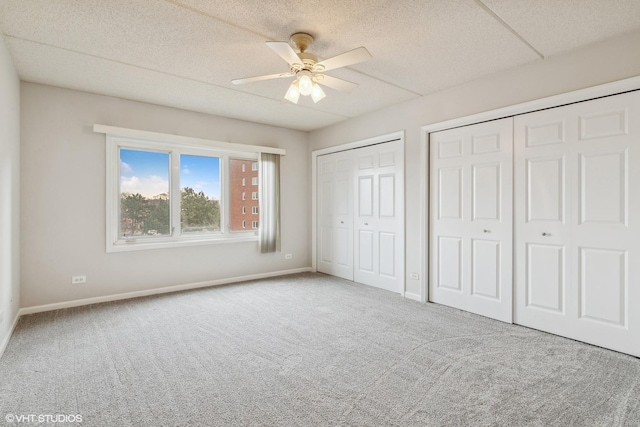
(307, 69)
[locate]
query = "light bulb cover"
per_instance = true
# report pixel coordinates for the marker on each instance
(293, 93)
(305, 84)
(317, 93)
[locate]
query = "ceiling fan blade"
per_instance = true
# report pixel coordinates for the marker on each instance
(285, 51)
(258, 78)
(351, 57)
(337, 84)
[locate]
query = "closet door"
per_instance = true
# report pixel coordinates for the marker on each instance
(577, 225)
(335, 214)
(379, 216)
(471, 218)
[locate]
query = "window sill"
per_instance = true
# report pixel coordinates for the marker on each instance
(160, 243)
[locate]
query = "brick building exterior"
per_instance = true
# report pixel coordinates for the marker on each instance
(243, 195)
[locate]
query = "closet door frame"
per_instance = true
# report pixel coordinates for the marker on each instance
(394, 136)
(608, 89)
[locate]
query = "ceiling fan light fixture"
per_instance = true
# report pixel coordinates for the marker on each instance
(317, 93)
(293, 93)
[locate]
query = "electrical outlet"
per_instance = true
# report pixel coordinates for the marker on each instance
(288, 256)
(415, 276)
(78, 279)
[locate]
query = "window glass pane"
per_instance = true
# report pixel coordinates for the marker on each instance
(241, 171)
(144, 193)
(199, 194)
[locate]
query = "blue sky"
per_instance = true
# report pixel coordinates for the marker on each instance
(147, 173)
(201, 174)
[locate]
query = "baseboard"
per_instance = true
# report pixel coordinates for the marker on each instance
(415, 297)
(5, 342)
(155, 291)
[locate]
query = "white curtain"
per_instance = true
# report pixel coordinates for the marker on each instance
(269, 202)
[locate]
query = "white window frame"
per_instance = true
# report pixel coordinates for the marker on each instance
(176, 238)
(254, 180)
(254, 195)
(243, 181)
(254, 210)
(254, 166)
(244, 210)
(254, 225)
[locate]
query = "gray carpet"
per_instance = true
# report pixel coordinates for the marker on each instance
(306, 350)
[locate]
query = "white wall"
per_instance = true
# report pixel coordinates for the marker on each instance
(9, 194)
(608, 61)
(63, 199)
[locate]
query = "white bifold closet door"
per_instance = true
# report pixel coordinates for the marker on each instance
(361, 215)
(335, 214)
(471, 218)
(379, 216)
(577, 221)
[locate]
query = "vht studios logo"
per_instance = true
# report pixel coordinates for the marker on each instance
(43, 418)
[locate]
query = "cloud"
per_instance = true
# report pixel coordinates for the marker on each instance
(125, 168)
(186, 171)
(149, 186)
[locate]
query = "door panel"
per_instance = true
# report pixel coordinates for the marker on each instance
(335, 215)
(471, 218)
(545, 281)
(577, 221)
(485, 270)
(379, 245)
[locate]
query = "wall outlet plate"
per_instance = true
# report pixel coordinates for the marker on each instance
(415, 276)
(288, 256)
(78, 279)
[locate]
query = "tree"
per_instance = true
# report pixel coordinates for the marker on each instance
(159, 213)
(133, 210)
(198, 212)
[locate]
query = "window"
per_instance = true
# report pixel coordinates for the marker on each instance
(244, 196)
(254, 224)
(244, 167)
(254, 180)
(244, 210)
(254, 210)
(254, 195)
(254, 166)
(244, 223)
(243, 181)
(163, 194)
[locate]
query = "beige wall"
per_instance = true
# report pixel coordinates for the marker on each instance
(63, 199)
(608, 61)
(9, 193)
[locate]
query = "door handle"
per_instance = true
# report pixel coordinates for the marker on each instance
(486, 231)
(546, 234)
(366, 223)
(341, 222)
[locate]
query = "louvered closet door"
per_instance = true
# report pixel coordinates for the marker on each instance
(335, 214)
(379, 216)
(577, 234)
(471, 218)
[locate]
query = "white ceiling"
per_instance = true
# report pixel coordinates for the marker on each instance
(184, 53)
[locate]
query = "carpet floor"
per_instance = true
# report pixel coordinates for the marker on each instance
(306, 349)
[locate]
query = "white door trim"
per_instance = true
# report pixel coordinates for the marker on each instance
(607, 89)
(314, 184)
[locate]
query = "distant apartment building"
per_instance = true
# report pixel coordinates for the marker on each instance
(243, 191)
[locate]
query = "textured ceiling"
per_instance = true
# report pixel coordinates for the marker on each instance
(184, 53)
